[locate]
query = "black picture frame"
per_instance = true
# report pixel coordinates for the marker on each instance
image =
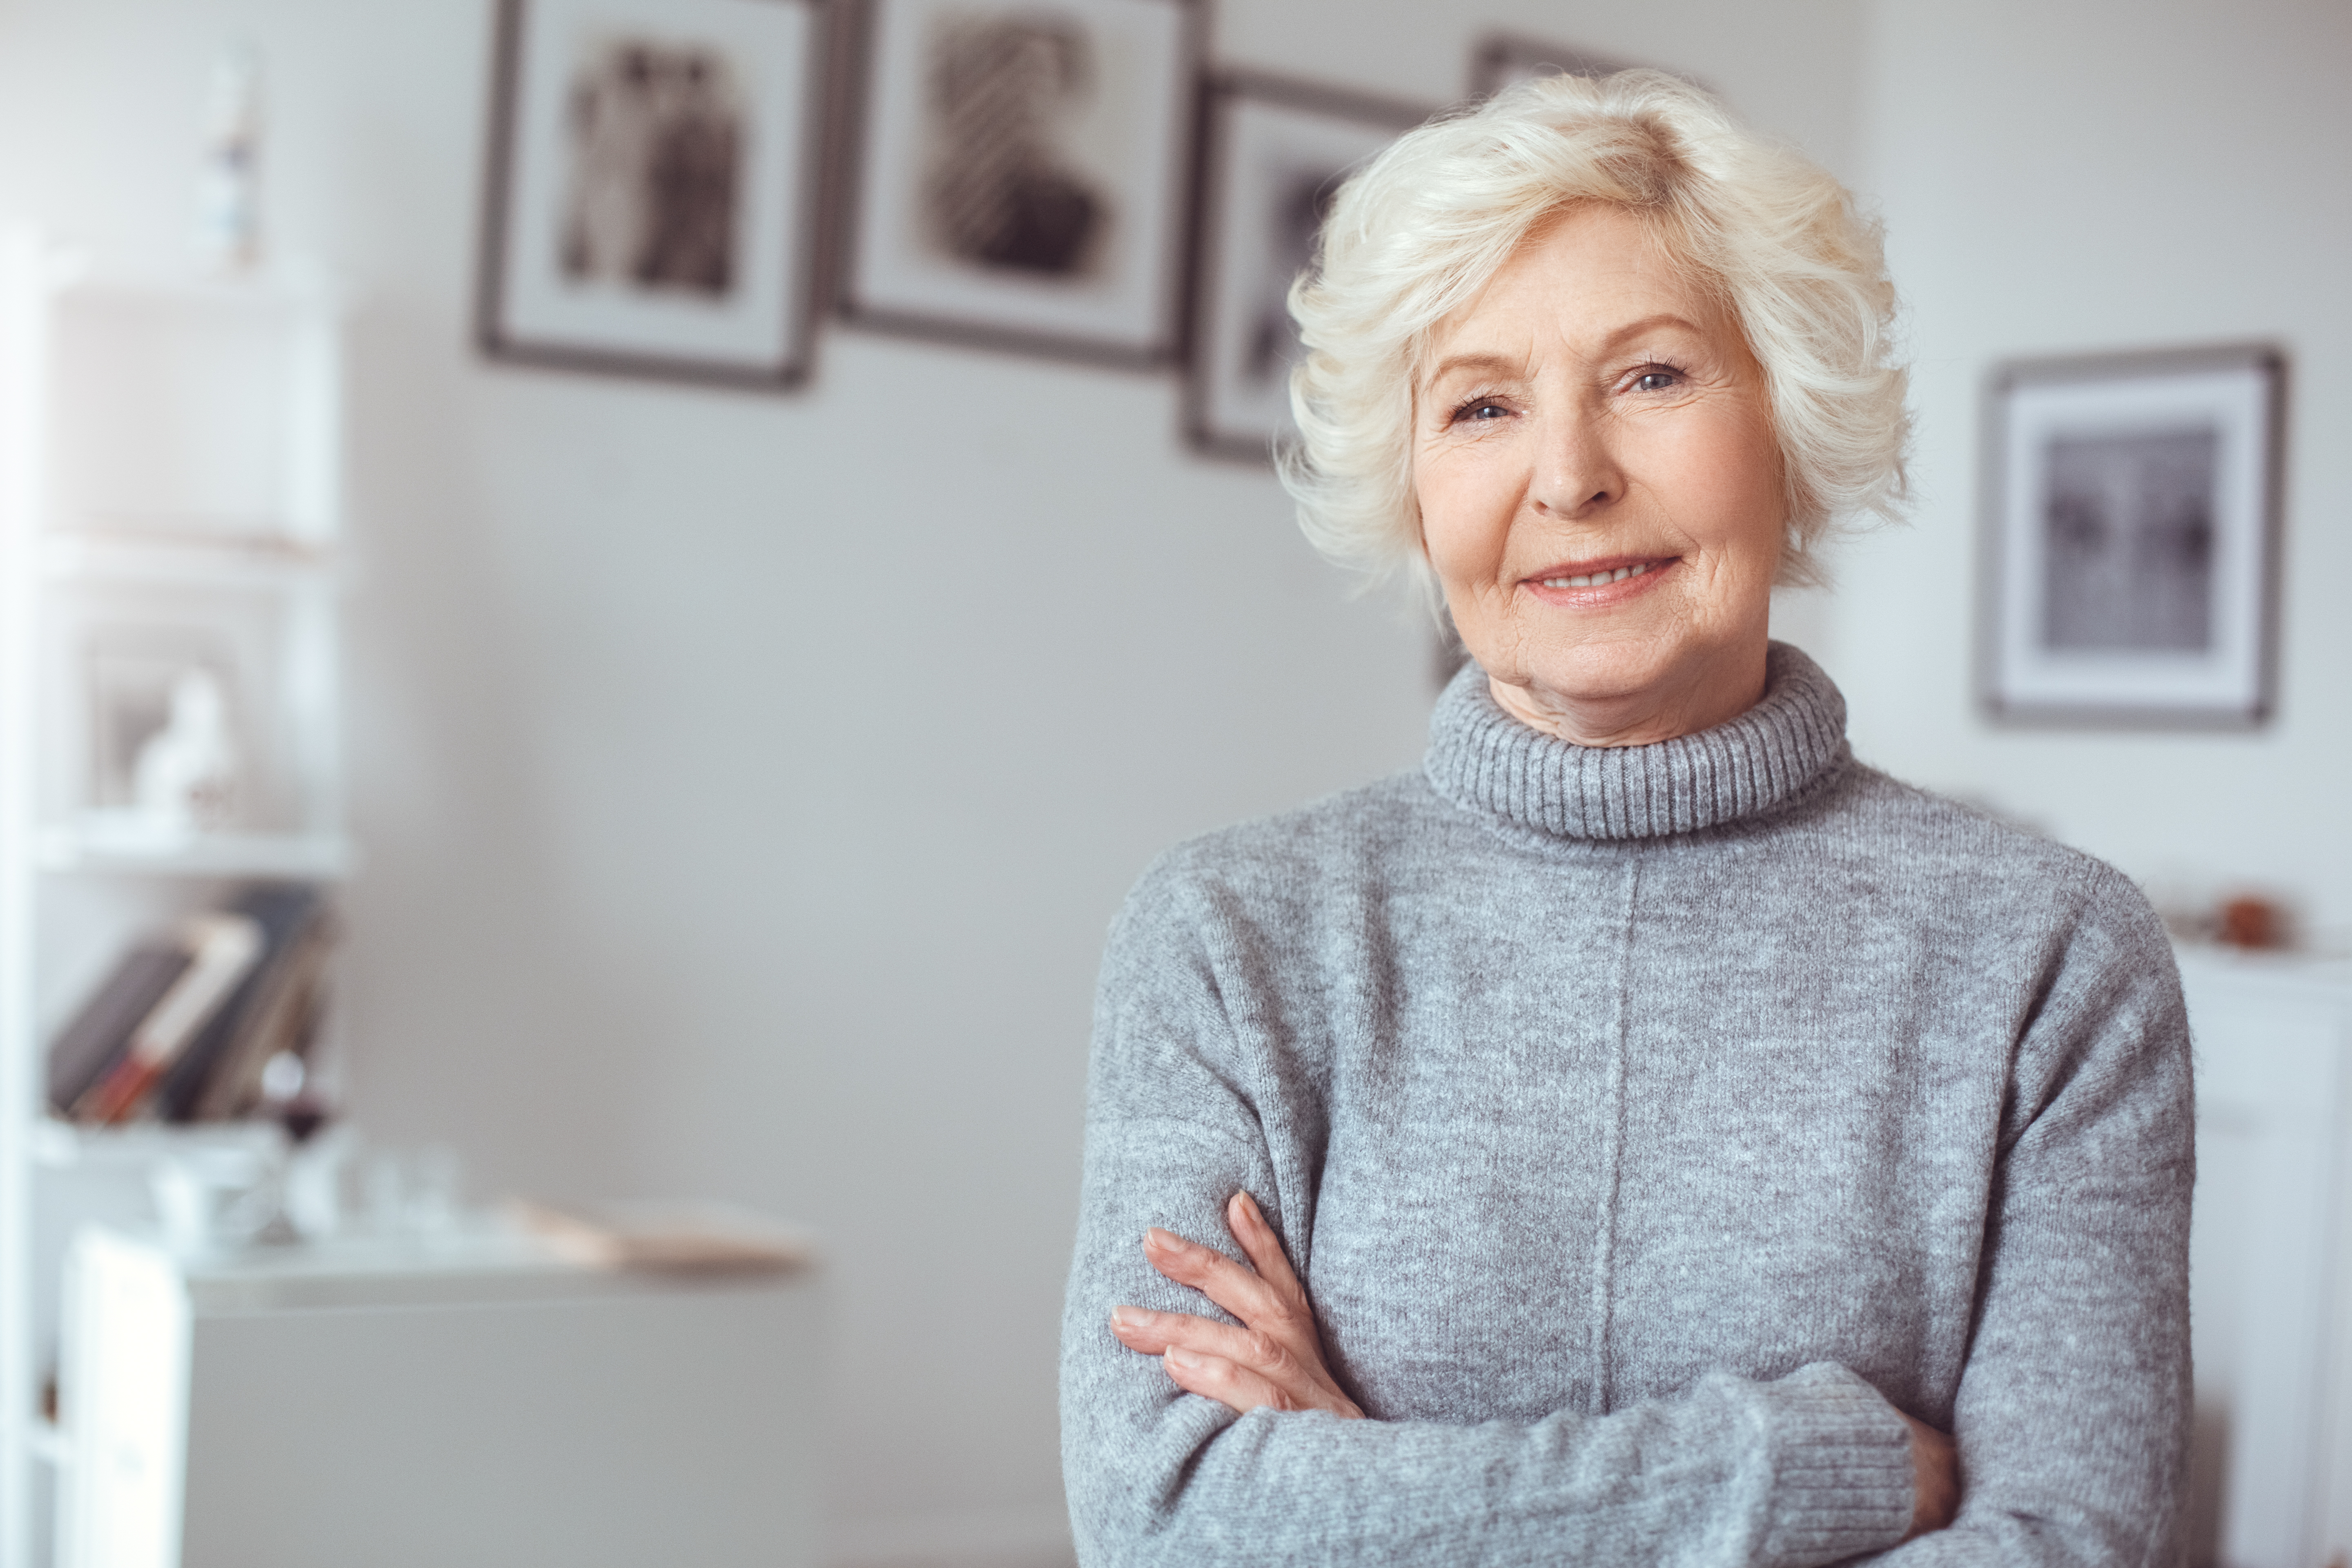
(1273, 149)
(1501, 60)
(1113, 297)
(619, 272)
(2129, 539)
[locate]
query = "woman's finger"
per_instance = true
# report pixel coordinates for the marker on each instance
(1263, 1247)
(1229, 1285)
(1296, 1383)
(1154, 1333)
(1235, 1387)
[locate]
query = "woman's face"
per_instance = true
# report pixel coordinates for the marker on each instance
(1600, 487)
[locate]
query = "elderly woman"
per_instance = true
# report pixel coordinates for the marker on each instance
(1643, 1134)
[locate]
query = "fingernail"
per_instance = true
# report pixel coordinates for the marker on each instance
(1183, 1360)
(1167, 1240)
(1248, 1206)
(1130, 1318)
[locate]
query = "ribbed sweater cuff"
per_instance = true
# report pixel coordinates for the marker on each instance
(1842, 1477)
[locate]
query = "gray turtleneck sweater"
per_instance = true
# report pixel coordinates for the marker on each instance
(1648, 1126)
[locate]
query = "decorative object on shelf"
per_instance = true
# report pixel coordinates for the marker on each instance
(164, 753)
(1274, 153)
(179, 714)
(219, 1197)
(1502, 59)
(228, 192)
(2253, 922)
(412, 1191)
(185, 777)
(651, 198)
(1024, 173)
(2130, 538)
(315, 1170)
(2226, 915)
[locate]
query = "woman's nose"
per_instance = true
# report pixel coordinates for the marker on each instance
(1577, 472)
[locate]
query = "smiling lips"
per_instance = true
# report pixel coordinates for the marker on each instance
(1591, 582)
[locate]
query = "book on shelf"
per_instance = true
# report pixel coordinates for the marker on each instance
(220, 1074)
(89, 1044)
(183, 1026)
(222, 949)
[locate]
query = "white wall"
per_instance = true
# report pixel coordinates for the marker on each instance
(747, 780)
(2116, 174)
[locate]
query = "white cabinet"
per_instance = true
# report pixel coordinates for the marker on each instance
(2270, 1261)
(468, 1403)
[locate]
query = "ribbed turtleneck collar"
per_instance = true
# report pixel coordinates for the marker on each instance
(1483, 759)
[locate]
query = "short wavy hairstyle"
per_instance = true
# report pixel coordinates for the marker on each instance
(1416, 234)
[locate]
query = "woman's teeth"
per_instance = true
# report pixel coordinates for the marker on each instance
(1597, 579)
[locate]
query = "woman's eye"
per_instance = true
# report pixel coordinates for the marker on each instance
(1655, 380)
(1481, 409)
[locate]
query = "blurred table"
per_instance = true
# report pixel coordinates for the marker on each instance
(471, 1398)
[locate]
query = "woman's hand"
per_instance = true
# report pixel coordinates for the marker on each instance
(1936, 1471)
(1274, 1360)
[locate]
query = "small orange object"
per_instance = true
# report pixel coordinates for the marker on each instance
(2253, 922)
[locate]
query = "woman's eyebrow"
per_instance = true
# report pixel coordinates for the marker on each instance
(1652, 324)
(1507, 364)
(1490, 362)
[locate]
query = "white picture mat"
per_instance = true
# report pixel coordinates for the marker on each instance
(1265, 143)
(1133, 141)
(756, 325)
(2226, 676)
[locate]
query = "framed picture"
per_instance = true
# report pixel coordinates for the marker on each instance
(2130, 538)
(652, 196)
(1505, 59)
(1273, 154)
(1024, 173)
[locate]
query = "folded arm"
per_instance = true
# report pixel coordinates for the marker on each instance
(1812, 1469)
(2073, 1413)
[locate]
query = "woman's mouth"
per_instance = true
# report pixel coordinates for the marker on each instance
(1599, 582)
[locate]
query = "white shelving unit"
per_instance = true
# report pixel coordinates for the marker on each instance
(170, 496)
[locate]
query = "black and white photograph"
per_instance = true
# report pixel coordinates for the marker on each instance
(1275, 153)
(1023, 174)
(2128, 538)
(1505, 59)
(652, 195)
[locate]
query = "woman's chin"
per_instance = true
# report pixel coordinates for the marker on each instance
(1606, 672)
(1623, 693)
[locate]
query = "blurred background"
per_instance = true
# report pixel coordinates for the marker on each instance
(745, 778)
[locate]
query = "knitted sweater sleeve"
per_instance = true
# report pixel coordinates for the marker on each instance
(1812, 1469)
(2074, 1411)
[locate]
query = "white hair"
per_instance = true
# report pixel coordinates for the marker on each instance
(1418, 233)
